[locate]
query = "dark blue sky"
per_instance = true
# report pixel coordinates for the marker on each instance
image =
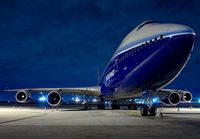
(59, 43)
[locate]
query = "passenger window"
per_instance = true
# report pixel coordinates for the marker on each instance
(146, 43)
(161, 36)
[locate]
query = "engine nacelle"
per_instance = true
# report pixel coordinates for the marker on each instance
(186, 97)
(23, 96)
(54, 98)
(172, 99)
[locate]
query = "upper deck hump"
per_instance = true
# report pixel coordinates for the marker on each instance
(150, 31)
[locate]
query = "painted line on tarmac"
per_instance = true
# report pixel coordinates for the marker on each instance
(25, 118)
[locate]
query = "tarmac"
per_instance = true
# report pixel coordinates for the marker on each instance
(74, 123)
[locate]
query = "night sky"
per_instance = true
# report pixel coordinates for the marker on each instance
(59, 43)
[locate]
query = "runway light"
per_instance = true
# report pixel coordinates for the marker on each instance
(94, 100)
(77, 99)
(155, 100)
(42, 99)
(139, 101)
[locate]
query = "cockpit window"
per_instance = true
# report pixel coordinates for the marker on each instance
(145, 23)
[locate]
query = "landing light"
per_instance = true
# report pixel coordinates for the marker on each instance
(155, 100)
(94, 100)
(77, 99)
(42, 99)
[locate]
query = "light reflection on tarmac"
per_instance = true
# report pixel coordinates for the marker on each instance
(73, 122)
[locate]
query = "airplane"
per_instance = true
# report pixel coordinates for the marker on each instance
(149, 58)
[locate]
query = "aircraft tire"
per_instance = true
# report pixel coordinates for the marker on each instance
(132, 107)
(101, 107)
(152, 112)
(144, 110)
(114, 107)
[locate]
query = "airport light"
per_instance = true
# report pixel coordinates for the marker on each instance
(155, 100)
(139, 101)
(77, 99)
(199, 100)
(94, 100)
(42, 99)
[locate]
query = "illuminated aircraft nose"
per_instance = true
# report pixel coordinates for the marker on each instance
(177, 49)
(181, 43)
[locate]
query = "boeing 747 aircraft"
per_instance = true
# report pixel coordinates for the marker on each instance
(149, 58)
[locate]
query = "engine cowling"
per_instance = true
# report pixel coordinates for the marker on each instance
(23, 96)
(186, 97)
(172, 99)
(54, 98)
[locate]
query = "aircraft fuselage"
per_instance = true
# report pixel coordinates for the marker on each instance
(149, 58)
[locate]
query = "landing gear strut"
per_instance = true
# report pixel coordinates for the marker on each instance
(87, 106)
(148, 109)
(132, 106)
(144, 110)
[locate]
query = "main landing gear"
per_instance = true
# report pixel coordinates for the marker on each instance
(132, 106)
(147, 111)
(148, 108)
(87, 105)
(101, 105)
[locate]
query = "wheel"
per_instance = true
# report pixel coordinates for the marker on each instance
(134, 107)
(114, 106)
(87, 107)
(130, 107)
(152, 112)
(118, 107)
(101, 107)
(144, 110)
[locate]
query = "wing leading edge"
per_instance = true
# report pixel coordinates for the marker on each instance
(90, 91)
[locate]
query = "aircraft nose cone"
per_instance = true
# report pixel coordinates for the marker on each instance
(182, 43)
(180, 29)
(180, 47)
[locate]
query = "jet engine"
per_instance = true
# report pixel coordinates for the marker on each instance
(186, 96)
(23, 96)
(172, 99)
(54, 98)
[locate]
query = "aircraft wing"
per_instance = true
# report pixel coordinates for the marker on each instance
(173, 90)
(90, 91)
